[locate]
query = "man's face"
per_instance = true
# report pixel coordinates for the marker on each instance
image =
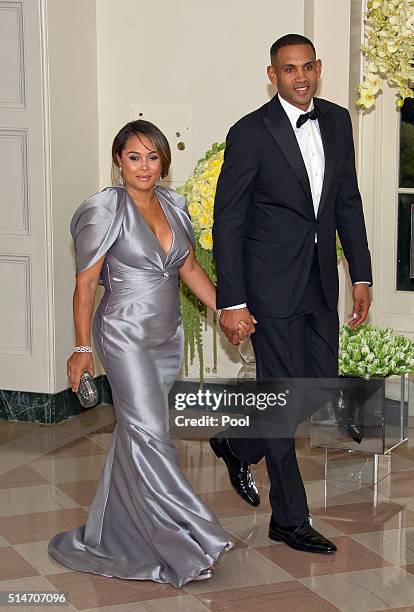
(295, 71)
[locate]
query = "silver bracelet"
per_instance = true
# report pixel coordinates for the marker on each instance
(82, 349)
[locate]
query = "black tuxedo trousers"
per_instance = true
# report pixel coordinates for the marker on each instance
(302, 345)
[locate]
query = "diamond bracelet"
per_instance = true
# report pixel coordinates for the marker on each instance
(82, 349)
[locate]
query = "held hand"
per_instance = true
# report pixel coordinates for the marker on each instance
(76, 365)
(230, 320)
(244, 329)
(362, 302)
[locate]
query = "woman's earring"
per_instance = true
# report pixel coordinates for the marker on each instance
(121, 176)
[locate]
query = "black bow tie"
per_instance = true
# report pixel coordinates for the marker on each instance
(303, 118)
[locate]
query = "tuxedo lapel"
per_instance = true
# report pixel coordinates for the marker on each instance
(327, 128)
(280, 128)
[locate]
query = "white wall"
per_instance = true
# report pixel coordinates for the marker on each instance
(332, 45)
(73, 135)
(212, 56)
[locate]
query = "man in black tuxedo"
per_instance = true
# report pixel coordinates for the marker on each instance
(288, 182)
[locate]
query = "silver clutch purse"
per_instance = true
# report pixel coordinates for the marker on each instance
(87, 392)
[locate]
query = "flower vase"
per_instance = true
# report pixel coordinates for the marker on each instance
(246, 353)
(359, 431)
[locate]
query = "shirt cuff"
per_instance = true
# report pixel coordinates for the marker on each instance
(361, 283)
(235, 307)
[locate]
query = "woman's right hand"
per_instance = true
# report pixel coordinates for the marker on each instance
(244, 329)
(76, 365)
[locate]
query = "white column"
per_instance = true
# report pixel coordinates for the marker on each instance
(73, 153)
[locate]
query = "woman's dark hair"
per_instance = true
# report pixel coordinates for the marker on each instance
(150, 131)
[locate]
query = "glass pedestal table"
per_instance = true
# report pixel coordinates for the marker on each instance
(362, 426)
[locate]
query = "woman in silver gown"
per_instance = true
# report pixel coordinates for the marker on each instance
(145, 521)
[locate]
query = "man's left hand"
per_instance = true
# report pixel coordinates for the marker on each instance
(362, 302)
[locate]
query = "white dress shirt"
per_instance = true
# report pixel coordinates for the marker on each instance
(310, 144)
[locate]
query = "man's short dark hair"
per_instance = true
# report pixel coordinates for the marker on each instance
(288, 40)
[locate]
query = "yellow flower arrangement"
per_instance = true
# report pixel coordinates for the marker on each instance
(389, 50)
(200, 190)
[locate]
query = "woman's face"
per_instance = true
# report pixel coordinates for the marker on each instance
(140, 163)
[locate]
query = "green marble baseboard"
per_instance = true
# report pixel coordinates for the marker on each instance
(55, 407)
(47, 407)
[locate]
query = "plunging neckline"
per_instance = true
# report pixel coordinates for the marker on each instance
(153, 234)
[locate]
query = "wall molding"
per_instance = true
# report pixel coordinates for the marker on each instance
(20, 103)
(22, 136)
(25, 349)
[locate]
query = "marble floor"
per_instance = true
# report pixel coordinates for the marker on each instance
(48, 475)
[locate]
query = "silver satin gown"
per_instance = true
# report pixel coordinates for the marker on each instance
(145, 521)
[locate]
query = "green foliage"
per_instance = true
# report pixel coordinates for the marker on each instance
(339, 250)
(215, 148)
(194, 313)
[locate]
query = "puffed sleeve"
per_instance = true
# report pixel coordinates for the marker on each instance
(179, 203)
(96, 225)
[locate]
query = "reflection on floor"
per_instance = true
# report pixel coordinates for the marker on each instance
(48, 475)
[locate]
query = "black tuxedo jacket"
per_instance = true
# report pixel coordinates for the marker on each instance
(264, 221)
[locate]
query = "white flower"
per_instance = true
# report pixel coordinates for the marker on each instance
(373, 82)
(392, 46)
(389, 49)
(366, 98)
(388, 352)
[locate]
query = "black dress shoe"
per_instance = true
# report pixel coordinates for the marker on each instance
(348, 417)
(239, 471)
(304, 538)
